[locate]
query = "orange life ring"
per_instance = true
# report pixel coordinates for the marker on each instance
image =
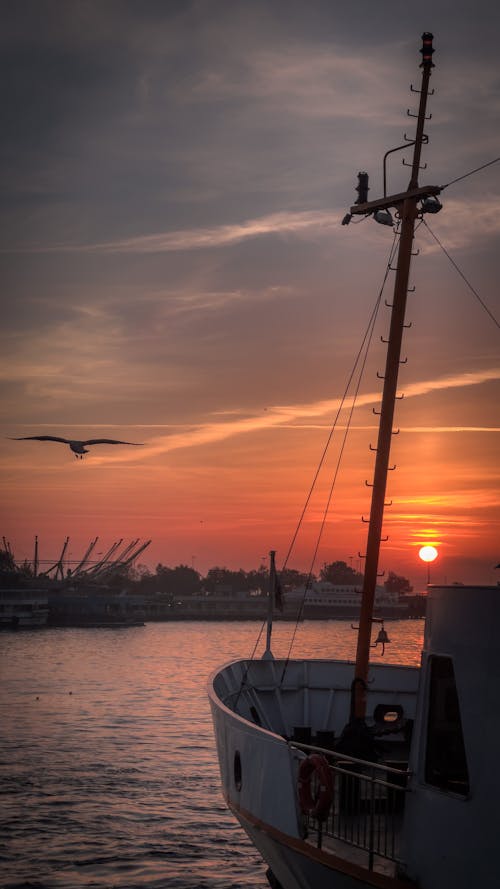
(317, 803)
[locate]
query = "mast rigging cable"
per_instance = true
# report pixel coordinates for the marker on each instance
(455, 266)
(365, 343)
(465, 175)
(365, 346)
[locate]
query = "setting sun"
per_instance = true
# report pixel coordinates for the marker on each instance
(428, 553)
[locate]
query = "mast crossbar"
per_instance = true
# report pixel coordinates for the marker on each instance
(395, 200)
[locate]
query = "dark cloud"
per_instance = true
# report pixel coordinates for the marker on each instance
(183, 120)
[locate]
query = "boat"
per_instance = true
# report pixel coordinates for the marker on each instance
(23, 609)
(322, 600)
(358, 774)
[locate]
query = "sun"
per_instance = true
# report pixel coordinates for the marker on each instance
(428, 553)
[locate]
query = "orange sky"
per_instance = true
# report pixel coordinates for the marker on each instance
(176, 274)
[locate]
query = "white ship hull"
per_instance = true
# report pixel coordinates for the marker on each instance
(259, 764)
(443, 830)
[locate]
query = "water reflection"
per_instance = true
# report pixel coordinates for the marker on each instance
(108, 769)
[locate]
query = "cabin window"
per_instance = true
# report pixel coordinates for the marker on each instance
(445, 760)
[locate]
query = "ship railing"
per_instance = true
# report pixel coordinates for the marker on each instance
(366, 811)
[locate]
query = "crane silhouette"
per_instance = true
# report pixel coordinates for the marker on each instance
(79, 448)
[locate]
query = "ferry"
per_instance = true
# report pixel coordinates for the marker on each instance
(358, 774)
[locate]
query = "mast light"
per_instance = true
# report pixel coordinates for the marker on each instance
(431, 204)
(427, 50)
(362, 188)
(384, 217)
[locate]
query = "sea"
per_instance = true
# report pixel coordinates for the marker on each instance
(108, 770)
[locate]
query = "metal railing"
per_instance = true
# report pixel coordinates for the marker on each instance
(367, 806)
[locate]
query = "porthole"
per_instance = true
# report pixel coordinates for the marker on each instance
(237, 770)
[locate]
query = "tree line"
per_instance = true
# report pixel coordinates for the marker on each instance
(184, 580)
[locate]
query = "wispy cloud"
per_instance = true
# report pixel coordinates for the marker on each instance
(456, 381)
(282, 223)
(464, 224)
(289, 415)
(327, 83)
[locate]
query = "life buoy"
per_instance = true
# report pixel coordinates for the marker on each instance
(315, 803)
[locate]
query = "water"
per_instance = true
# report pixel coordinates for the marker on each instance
(108, 772)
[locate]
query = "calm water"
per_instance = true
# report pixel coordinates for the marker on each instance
(108, 770)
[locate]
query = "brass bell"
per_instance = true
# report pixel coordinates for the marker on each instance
(382, 637)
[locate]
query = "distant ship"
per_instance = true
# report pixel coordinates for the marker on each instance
(320, 601)
(23, 609)
(325, 600)
(354, 775)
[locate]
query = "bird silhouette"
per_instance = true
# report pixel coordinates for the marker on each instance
(78, 447)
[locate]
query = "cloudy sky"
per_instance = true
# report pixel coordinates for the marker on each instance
(175, 273)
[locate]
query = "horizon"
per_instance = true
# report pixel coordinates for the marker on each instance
(418, 582)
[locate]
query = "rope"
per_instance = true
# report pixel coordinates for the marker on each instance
(243, 681)
(455, 266)
(342, 402)
(365, 345)
(330, 494)
(459, 178)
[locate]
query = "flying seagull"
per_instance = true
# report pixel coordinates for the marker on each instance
(78, 447)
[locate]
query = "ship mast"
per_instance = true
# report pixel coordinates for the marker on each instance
(409, 205)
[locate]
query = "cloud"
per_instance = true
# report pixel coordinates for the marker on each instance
(289, 415)
(465, 223)
(300, 80)
(452, 382)
(280, 223)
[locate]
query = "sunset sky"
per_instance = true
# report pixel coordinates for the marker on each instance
(175, 273)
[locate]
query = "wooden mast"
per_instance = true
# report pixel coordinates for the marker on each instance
(406, 205)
